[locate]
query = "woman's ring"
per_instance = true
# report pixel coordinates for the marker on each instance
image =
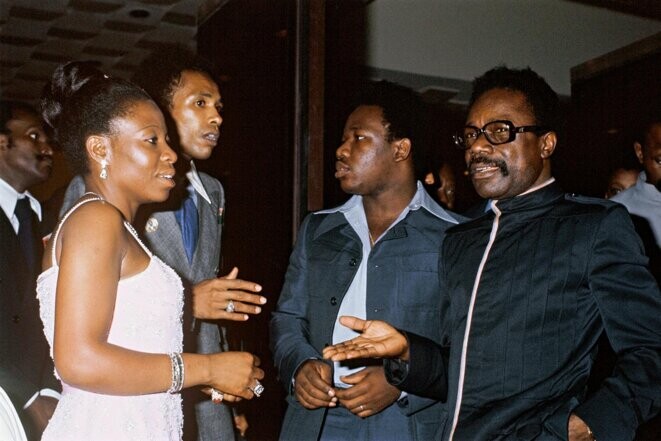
(230, 307)
(216, 396)
(258, 389)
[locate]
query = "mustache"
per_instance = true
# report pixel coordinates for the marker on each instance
(482, 159)
(43, 157)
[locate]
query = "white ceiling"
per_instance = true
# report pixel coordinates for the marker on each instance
(444, 44)
(37, 35)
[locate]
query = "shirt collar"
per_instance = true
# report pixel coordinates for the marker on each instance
(646, 188)
(9, 196)
(195, 180)
(421, 199)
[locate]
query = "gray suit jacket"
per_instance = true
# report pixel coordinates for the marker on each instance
(161, 232)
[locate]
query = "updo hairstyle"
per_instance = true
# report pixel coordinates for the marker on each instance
(80, 101)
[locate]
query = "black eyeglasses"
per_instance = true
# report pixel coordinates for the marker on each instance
(496, 132)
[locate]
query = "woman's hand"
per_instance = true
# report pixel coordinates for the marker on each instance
(377, 339)
(226, 397)
(235, 373)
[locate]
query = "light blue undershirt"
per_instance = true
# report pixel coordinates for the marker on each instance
(355, 301)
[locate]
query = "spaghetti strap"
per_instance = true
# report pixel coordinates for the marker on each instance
(134, 233)
(64, 218)
(95, 197)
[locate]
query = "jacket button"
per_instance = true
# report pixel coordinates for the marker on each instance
(353, 261)
(333, 301)
(16, 318)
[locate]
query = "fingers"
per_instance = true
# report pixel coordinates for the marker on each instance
(218, 397)
(369, 394)
(232, 274)
(346, 351)
(222, 284)
(241, 424)
(313, 389)
(235, 373)
(354, 323)
(313, 398)
(357, 399)
(212, 297)
(243, 302)
(355, 378)
(231, 398)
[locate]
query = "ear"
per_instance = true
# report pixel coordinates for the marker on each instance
(98, 148)
(4, 142)
(402, 149)
(548, 140)
(638, 149)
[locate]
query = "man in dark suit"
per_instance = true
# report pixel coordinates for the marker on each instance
(375, 256)
(185, 231)
(531, 286)
(25, 365)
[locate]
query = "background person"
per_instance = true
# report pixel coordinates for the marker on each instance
(620, 180)
(643, 200)
(26, 371)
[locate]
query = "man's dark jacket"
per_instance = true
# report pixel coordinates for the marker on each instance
(538, 280)
(402, 288)
(25, 364)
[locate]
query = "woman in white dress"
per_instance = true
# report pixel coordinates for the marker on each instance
(111, 310)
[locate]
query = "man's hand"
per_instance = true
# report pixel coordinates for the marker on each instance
(370, 392)
(40, 412)
(211, 297)
(578, 429)
(377, 339)
(314, 385)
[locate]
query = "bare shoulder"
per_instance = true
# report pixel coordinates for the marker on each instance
(93, 224)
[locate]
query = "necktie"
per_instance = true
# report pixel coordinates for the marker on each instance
(27, 228)
(187, 219)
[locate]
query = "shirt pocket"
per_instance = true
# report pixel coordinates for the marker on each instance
(417, 281)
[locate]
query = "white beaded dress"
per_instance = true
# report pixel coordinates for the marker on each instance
(147, 318)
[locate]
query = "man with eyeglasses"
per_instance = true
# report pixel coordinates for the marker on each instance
(530, 287)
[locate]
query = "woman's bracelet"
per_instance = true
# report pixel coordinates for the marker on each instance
(177, 372)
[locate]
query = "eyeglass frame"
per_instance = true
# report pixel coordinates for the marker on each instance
(513, 131)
